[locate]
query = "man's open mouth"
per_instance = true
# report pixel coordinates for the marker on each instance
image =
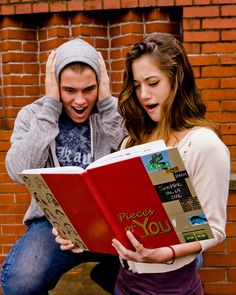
(79, 111)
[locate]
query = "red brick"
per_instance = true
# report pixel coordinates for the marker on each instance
(11, 219)
(23, 198)
(146, 3)
(229, 35)
(21, 80)
(201, 36)
(81, 18)
(40, 7)
(228, 106)
(30, 46)
(31, 68)
(183, 2)
(223, 1)
(5, 135)
(230, 231)
(115, 31)
(132, 28)
(231, 275)
(229, 140)
(131, 3)
(75, 5)
(219, 47)
(212, 274)
(231, 245)
(127, 16)
(124, 40)
(191, 24)
(7, 239)
(11, 45)
(206, 83)
(18, 57)
(93, 5)
(201, 11)
(202, 2)
(165, 2)
(23, 8)
(117, 65)
(13, 209)
(201, 60)
(231, 212)
(162, 27)
(58, 32)
(4, 147)
(216, 94)
(57, 6)
(7, 9)
(88, 31)
(229, 129)
(18, 34)
(192, 48)
(218, 71)
(116, 53)
(218, 23)
(228, 10)
(212, 106)
(55, 20)
(13, 229)
(222, 117)
(6, 199)
(101, 43)
(220, 289)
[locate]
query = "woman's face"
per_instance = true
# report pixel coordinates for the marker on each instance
(152, 85)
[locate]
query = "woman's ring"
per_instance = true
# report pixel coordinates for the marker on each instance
(139, 248)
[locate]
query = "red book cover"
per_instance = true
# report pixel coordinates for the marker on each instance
(150, 195)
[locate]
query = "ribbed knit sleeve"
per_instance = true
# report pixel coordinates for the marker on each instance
(207, 161)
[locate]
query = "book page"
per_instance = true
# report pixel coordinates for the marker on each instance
(135, 151)
(44, 197)
(61, 169)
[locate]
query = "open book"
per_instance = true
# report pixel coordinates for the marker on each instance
(145, 189)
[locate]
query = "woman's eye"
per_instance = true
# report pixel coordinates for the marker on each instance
(153, 83)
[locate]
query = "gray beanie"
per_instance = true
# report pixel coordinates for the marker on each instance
(76, 50)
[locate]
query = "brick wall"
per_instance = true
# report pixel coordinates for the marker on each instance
(30, 29)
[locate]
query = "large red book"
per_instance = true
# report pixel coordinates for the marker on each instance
(145, 189)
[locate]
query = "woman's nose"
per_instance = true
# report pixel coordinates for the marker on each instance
(145, 93)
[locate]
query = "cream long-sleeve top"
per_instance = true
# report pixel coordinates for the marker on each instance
(207, 161)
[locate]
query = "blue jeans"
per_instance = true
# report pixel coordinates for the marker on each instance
(36, 263)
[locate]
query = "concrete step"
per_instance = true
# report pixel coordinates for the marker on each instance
(77, 282)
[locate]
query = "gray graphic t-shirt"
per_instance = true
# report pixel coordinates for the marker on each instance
(73, 143)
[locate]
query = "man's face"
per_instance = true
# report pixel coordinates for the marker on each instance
(79, 91)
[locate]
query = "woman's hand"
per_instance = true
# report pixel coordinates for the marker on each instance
(104, 83)
(51, 85)
(158, 255)
(65, 244)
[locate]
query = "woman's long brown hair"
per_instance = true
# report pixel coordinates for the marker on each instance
(183, 110)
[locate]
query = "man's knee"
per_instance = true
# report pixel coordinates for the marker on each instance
(21, 285)
(23, 281)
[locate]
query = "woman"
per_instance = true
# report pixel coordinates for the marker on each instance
(160, 100)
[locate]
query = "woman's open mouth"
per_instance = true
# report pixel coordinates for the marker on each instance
(152, 106)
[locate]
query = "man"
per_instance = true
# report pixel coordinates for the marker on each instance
(75, 123)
